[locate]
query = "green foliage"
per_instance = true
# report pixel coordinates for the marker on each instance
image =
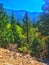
(4, 30)
(29, 38)
(43, 24)
(14, 30)
(26, 26)
(47, 44)
(23, 50)
(28, 30)
(4, 44)
(36, 47)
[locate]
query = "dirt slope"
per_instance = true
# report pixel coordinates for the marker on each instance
(11, 58)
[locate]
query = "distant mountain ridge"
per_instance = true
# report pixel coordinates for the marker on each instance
(19, 14)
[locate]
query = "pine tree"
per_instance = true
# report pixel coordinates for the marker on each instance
(43, 21)
(4, 22)
(14, 30)
(26, 26)
(28, 31)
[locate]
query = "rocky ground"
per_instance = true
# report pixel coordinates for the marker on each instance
(12, 58)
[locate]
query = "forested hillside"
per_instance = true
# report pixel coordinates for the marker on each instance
(25, 37)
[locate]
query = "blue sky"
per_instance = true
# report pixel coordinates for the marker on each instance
(28, 5)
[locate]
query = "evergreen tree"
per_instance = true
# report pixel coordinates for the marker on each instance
(28, 31)
(43, 21)
(26, 26)
(43, 24)
(14, 30)
(35, 47)
(4, 22)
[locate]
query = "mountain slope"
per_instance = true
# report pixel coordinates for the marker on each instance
(19, 14)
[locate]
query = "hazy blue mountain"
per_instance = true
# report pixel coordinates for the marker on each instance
(19, 14)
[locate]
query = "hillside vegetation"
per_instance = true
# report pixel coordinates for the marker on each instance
(24, 37)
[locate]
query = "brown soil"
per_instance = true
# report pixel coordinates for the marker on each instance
(13, 58)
